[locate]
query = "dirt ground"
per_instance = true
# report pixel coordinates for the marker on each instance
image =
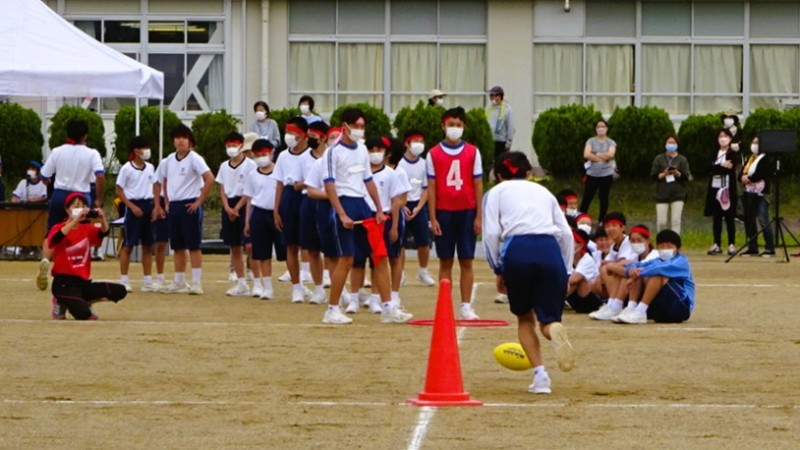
(218, 372)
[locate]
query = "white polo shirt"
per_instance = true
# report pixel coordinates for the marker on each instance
(587, 267)
(624, 251)
(348, 168)
(390, 184)
(184, 177)
(260, 187)
(232, 177)
(289, 168)
(417, 176)
(137, 182)
(75, 167)
(314, 178)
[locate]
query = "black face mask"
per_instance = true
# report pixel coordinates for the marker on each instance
(313, 143)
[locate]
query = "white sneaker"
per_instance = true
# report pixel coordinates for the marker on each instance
(541, 385)
(426, 279)
(305, 277)
(374, 306)
(632, 316)
(232, 276)
(286, 277)
(395, 315)
(44, 271)
(249, 276)
(352, 307)
(466, 312)
(150, 287)
(616, 319)
(501, 299)
(307, 293)
(175, 288)
(258, 289)
(731, 249)
(326, 279)
(195, 289)
(364, 298)
(238, 291)
(606, 312)
(298, 296)
(367, 283)
(127, 285)
(318, 298)
(559, 340)
(334, 316)
(267, 293)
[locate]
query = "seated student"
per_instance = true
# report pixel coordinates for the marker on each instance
(71, 242)
(620, 253)
(583, 222)
(568, 202)
(31, 189)
(580, 286)
(664, 286)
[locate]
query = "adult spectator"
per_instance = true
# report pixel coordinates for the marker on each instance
(265, 127)
(599, 153)
(306, 105)
(500, 121)
(436, 97)
(721, 192)
(671, 172)
(755, 178)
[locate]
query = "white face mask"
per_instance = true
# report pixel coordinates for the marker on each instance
(290, 140)
(454, 133)
(304, 109)
(261, 115)
(76, 212)
(666, 254)
(261, 161)
(440, 101)
(232, 152)
(31, 174)
(728, 123)
(572, 212)
(146, 154)
(356, 134)
(585, 227)
(376, 158)
(754, 148)
(638, 248)
(417, 148)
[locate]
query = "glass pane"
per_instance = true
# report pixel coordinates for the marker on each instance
(666, 68)
(122, 31)
(609, 68)
(205, 83)
(205, 33)
(774, 19)
(111, 105)
(764, 102)
(312, 16)
(463, 68)
(607, 104)
(91, 27)
(542, 103)
(173, 68)
(462, 17)
(611, 18)
(413, 17)
(166, 32)
(714, 105)
(719, 18)
(558, 68)
(375, 100)
(413, 67)
(361, 17)
(773, 69)
(549, 19)
(718, 69)
(311, 67)
(360, 73)
(671, 104)
(401, 101)
(667, 18)
(466, 101)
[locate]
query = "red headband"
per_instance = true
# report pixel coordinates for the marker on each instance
(74, 195)
(70, 141)
(643, 231)
(578, 237)
(444, 119)
(386, 142)
(583, 216)
(618, 222)
(571, 197)
(332, 130)
(510, 166)
(413, 137)
(295, 129)
(235, 142)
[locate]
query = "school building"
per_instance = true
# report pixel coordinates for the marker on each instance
(686, 56)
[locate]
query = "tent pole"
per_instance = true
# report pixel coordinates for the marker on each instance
(137, 116)
(161, 129)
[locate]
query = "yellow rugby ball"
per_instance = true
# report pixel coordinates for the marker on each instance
(511, 356)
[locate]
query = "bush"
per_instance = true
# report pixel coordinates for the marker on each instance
(424, 118)
(20, 140)
(58, 127)
(478, 133)
(560, 135)
(377, 121)
(210, 130)
(698, 136)
(125, 129)
(639, 134)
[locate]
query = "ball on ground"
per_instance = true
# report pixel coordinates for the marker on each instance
(511, 356)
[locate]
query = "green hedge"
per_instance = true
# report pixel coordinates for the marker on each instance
(559, 136)
(478, 132)
(58, 127)
(377, 121)
(639, 134)
(210, 130)
(125, 129)
(698, 137)
(21, 140)
(424, 118)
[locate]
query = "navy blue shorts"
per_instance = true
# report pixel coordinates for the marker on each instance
(392, 249)
(419, 226)
(347, 241)
(185, 229)
(56, 212)
(584, 305)
(668, 306)
(458, 234)
(535, 276)
(290, 215)
(264, 235)
(161, 227)
(326, 228)
(139, 229)
(92, 194)
(233, 231)
(309, 236)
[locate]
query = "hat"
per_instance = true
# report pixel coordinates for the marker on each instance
(497, 90)
(36, 164)
(436, 93)
(249, 138)
(72, 196)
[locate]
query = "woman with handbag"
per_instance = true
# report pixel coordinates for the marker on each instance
(721, 194)
(754, 177)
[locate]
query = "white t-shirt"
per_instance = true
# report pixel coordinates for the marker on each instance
(417, 177)
(26, 191)
(232, 178)
(348, 168)
(390, 184)
(587, 267)
(184, 177)
(315, 178)
(307, 162)
(650, 256)
(289, 168)
(260, 187)
(75, 167)
(477, 167)
(623, 252)
(137, 183)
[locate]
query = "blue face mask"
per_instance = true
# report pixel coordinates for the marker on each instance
(671, 147)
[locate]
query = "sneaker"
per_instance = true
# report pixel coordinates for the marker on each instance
(618, 317)
(367, 283)
(767, 254)
(633, 316)
(58, 312)
(318, 298)
(257, 290)
(364, 298)
(466, 312)
(605, 312)
(175, 288)
(714, 250)
(326, 279)
(501, 299)
(426, 279)
(127, 285)
(286, 277)
(352, 307)
(374, 306)
(249, 276)
(305, 277)
(44, 270)
(541, 385)
(195, 289)
(395, 315)
(307, 293)
(731, 249)
(298, 296)
(267, 294)
(238, 291)
(559, 340)
(232, 276)
(334, 316)
(150, 287)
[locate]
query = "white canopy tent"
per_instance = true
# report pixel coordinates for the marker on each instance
(43, 55)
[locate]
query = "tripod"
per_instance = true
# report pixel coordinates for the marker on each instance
(777, 222)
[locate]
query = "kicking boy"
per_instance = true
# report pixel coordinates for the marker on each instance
(231, 178)
(186, 180)
(455, 180)
(135, 189)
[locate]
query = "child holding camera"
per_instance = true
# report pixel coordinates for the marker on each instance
(671, 172)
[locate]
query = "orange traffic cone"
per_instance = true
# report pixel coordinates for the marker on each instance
(443, 384)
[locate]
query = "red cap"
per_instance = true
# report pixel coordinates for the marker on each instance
(74, 195)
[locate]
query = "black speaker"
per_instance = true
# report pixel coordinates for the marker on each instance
(777, 141)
